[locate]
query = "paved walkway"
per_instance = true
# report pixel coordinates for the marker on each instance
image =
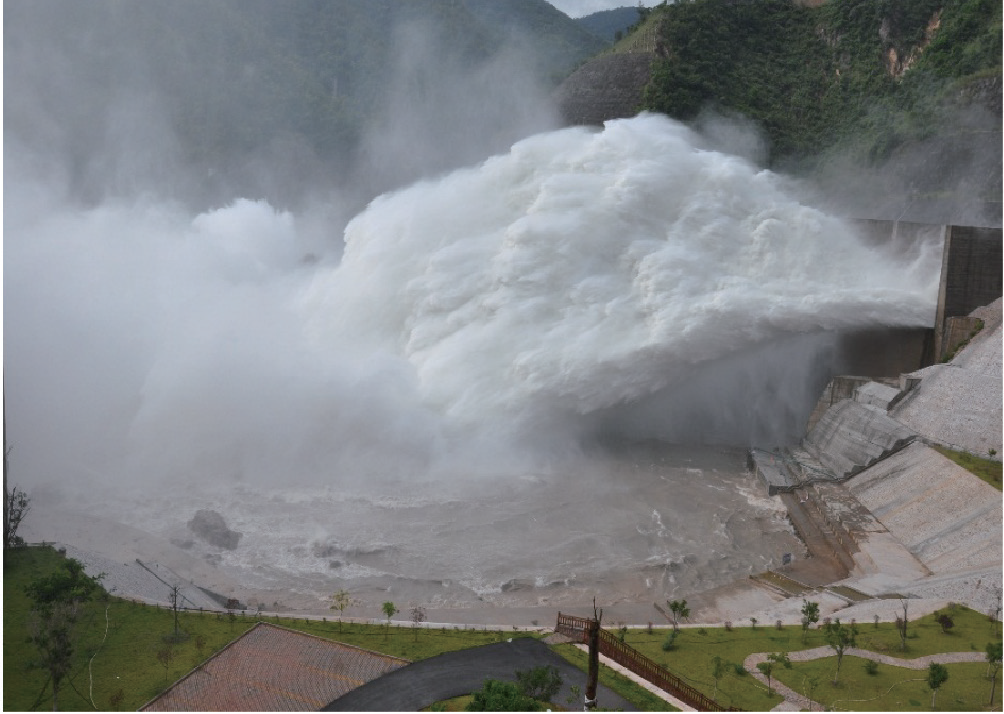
(793, 701)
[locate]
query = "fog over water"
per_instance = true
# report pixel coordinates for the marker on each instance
(425, 390)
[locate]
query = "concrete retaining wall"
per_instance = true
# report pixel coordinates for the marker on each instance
(970, 274)
(958, 330)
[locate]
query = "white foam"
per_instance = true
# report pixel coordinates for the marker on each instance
(473, 318)
(586, 269)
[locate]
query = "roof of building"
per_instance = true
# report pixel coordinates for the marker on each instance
(272, 668)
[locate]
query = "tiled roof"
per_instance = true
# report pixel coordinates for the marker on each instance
(272, 668)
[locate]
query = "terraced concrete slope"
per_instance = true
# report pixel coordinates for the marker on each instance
(851, 436)
(945, 516)
(959, 403)
(923, 527)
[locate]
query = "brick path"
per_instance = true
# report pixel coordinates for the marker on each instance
(273, 668)
(793, 701)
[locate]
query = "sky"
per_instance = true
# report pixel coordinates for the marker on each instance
(581, 8)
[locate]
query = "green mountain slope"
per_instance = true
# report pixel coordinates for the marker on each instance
(862, 75)
(610, 24)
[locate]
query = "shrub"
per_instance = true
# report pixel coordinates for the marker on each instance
(669, 643)
(946, 622)
(539, 683)
(497, 696)
(871, 667)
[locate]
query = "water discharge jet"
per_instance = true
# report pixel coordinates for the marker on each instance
(477, 330)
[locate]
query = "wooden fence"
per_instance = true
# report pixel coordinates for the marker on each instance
(627, 656)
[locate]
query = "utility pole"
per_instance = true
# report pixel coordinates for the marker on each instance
(593, 635)
(6, 506)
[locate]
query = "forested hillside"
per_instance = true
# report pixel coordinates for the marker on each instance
(262, 97)
(611, 25)
(858, 78)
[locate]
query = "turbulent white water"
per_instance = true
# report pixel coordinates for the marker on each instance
(588, 269)
(520, 301)
(486, 323)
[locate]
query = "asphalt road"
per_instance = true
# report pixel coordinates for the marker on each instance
(456, 673)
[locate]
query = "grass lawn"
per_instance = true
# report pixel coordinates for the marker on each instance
(125, 639)
(402, 642)
(891, 688)
(457, 704)
(126, 673)
(987, 469)
(692, 659)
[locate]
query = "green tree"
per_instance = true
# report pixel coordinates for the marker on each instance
(811, 684)
(389, 610)
(937, 674)
(839, 637)
(773, 659)
(718, 669)
(341, 601)
(810, 616)
(540, 683)
(417, 618)
(56, 601)
(16, 507)
(680, 612)
(993, 664)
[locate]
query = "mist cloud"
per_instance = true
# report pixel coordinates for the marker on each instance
(480, 322)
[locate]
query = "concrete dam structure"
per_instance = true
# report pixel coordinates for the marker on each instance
(612, 86)
(879, 509)
(971, 277)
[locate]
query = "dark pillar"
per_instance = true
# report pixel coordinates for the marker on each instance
(593, 638)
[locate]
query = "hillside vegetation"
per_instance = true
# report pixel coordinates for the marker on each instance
(611, 25)
(859, 77)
